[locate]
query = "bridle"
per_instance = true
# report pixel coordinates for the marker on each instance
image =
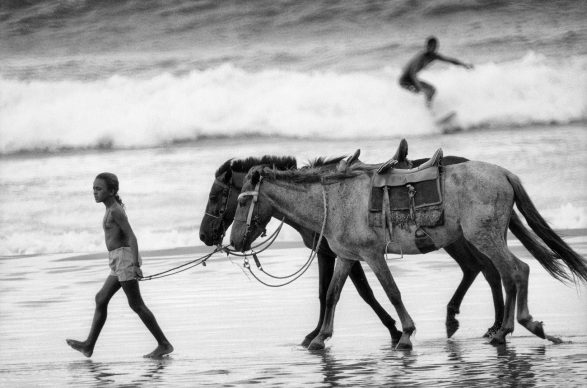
(251, 221)
(226, 189)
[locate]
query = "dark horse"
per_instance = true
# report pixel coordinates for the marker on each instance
(222, 204)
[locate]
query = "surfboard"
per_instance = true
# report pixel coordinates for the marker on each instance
(448, 122)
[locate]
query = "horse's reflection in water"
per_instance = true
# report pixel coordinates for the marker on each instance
(512, 369)
(105, 373)
(338, 370)
(507, 368)
(454, 363)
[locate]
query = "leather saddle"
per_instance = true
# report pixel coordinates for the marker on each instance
(414, 195)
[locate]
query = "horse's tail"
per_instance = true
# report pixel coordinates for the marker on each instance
(559, 251)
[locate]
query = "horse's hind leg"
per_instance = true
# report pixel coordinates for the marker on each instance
(341, 272)
(471, 262)
(514, 274)
(458, 251)
(491, 244)
(379, 266)
(359, 279)
(524, 317)
(494, 280)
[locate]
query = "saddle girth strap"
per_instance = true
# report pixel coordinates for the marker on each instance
(386, 215)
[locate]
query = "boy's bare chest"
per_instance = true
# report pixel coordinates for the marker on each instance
(108, 223)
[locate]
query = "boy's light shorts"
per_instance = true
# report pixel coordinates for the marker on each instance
(121, 264)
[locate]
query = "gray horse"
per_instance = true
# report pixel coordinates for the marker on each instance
(478, 206)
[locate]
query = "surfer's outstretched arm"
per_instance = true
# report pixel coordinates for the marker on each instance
(454, 61)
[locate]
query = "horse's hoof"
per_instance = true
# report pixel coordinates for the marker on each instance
(535, 328)
(497, 339)
(395, 341)
(316, 345)
(554, 340)
(306, 342)
(403, 345)
(452, 325)
(492, 331)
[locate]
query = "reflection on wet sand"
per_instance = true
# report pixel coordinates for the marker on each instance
(457, 363)
(108, 373)
(510, 368)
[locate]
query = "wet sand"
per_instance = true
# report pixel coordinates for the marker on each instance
(228, 330)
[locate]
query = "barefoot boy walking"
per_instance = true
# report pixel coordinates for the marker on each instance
(125, 263)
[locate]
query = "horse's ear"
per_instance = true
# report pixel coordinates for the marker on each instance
(256, 177)
(227, 176)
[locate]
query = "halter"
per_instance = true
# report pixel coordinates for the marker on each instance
(226, 190)
(255, 195)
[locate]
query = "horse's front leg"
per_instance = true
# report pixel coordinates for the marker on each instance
(359, 279)
(379, 266)
(325, 271)
(341, 272)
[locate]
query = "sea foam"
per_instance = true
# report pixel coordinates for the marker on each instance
(122, 111)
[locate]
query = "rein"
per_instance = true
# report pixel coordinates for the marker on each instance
(264, 245)
(202, 260)
(181, 268)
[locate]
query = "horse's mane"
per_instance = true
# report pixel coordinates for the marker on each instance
(315, 174)
(279, 162)
(244, 165)
(322, 161)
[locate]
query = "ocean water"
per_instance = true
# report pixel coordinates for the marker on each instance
(163, 92)
(97, 74)
(46, 202)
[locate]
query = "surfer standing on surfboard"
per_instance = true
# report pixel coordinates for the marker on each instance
(409, 79)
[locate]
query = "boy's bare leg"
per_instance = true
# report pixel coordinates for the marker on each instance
(133, 293)
(110, 287)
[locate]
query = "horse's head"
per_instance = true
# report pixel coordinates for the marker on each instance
(228, 182)
(221, 205)
(252, 215)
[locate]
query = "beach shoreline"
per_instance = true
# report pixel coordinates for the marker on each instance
(202, 249)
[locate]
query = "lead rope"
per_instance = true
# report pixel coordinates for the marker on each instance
(176, 270)
(202, 260)
(296, 275)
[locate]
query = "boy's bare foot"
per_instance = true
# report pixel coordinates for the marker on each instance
(160, 351)
(80, 347)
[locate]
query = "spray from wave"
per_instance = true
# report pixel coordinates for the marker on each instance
(123, 111)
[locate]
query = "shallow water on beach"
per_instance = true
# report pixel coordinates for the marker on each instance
(228, 330)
